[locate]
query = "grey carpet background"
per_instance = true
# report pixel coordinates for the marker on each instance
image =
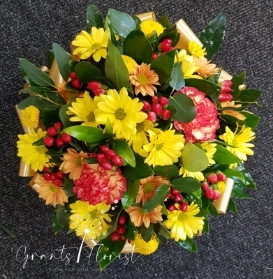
(237, 247)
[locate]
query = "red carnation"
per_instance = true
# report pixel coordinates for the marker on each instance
(97, 185)
(203, 127)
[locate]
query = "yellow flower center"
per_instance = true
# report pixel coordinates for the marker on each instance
(140, 127)
(148, 188)
(142, 79)
(158, 146)
(95, 46)
(78, 162)
(120, 114)
(182, 217)
(53, 188)
(91, 117)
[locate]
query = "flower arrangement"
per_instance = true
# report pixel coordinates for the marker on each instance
(135, 137)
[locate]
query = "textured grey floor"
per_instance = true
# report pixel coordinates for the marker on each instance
(237, 247)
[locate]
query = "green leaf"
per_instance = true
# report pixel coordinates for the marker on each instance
(122, 148)
(163, 66)
(62, 215)
(34, 73)
(50, 57)
(129, 196)
(108, 130)
(49, 117)
(184, 106)
(86, 72)
(236, 82)
(212, 36)
(160, 195)
(55, 224)
(206, 225)
(115, 69)
(197, 193)
(8, 232)
(68, 186)
(130, 233)
(109, 251)
(251, 120)
(238, 191)
(86, 133)
(188, 244)
(38, 102)
(249, 182)
(93, 17)
(192, 197)
(233, 173)
(138, 47)
(186, 184)
(223, 156)
(248, 95)
(146, 233)
(203, 85)
(194, 158)
(65, 117)
(162, 230)
(232, 206)
(168, 171)
(212, 210)
(122, 23)
(177, 81)
(164, 21)
(63, 59)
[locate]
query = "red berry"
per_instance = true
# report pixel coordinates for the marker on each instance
(58, 125)
(121, 220)
(52, 131)
(101, 158)
(216, 195)
(107, 166)
(212, 178)
(170, 196)
(155, 99)
(45, 168)
(123, 237)
(221, 176)
(76, 83)
(205, 186)
(121, 229)
(225, 97)
(183, 206)
(146, 106)
(98, 91)
(168, 41)
(115, 236)
(48, 141)
(73, 75)
(163, 101)
(58, 182)
(166, 114)
(104, 148)
(154, 56)
(53, 176)
(209, 193)
(60, 174)
(227, 83)
(178, 198)
(171, 207)
(47, 176)
(92, 155)
(175, 192)
(93, 85)
(225, 89)
(66, 138)
(117, 160)
(157, 108)
(151, 116)
(59, 142)
(110, 154)
(164, 46)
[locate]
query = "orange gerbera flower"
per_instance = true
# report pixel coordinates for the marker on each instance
(205, 68)
(48, 191)
(139, 216)
(144, 79)
(148, 187)
(72, 163)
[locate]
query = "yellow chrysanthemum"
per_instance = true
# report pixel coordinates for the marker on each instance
(123, 112)
(148, 26)
(196, 50)
(210, 149)
(239, 141)
(184, 224)
(95, 44)
(143, 247)
(197, 174)
(34, 156)
(164, 148)
(83, 110)
(30, 116)
(138, 140)
(89, 229)
(129, 62)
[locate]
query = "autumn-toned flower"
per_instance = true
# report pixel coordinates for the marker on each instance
(73, 163)
(97, 185)
(196, 49)
(129, 62)
(144, 79)
(48, 191)
(30, 116)
(142, 247)
(139, 216)
(205, 69)
(149, 26)
(228, 106)
(148, 187)
(203, 127)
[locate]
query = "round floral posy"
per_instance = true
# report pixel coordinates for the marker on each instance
(133, 145)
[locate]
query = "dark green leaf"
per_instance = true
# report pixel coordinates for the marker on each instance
(49, 117)
(223, 156)
(164, 21)
(39, 142)
(86, 72)
(138, 47)
(90, 160)
(188, 244)
(68, 186)
(184, 106)
(203, 85)
(147, 233)
(249, 182)
(233, 173)
(160, 195)
(168, 171)
(130, 233)
(194, 198)
(8, 232)
(177, 81)
(122, 148)
(129, 196)
(62, 58)
(186, 184)
(38, 102)
(162, 230)
(34, 73)
(213, 35)
(206, 225)
(62, 215)
(248, 95)
(232, 206)
(251, 120)
(55, 223)
(65, 117)
(236, 82)
(238, 191)
(137, 21)
(50, 57)
(212, 210)
(93, 17)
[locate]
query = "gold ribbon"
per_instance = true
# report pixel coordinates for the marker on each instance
(222, 203)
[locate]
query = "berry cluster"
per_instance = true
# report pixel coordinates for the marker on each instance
(157, 108)
(120, 230)
(108, 158)
(177, 197)
(55, 177)
(224, 93)
(60, 140)
(96, 87)
(210, 187)
(76, 83)
(166, 45)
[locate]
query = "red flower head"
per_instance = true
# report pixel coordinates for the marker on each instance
(203, 127)
(97, 185)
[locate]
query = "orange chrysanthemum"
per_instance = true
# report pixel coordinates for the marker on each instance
(205, 68)
(144, 79)
(148, 187)
(139, 216)
(72, 163)
(48, 191)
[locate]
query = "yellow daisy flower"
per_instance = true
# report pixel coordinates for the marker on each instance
(184, 224)
(142, 247)
(30, 116)
(89, 229)
(210, 149)
(123, 112)
(83, 110)
(196, 50)
(33, 156)
(95, 44)
(164, 148)
(129, 62)
(197, 174)
(148, 26)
